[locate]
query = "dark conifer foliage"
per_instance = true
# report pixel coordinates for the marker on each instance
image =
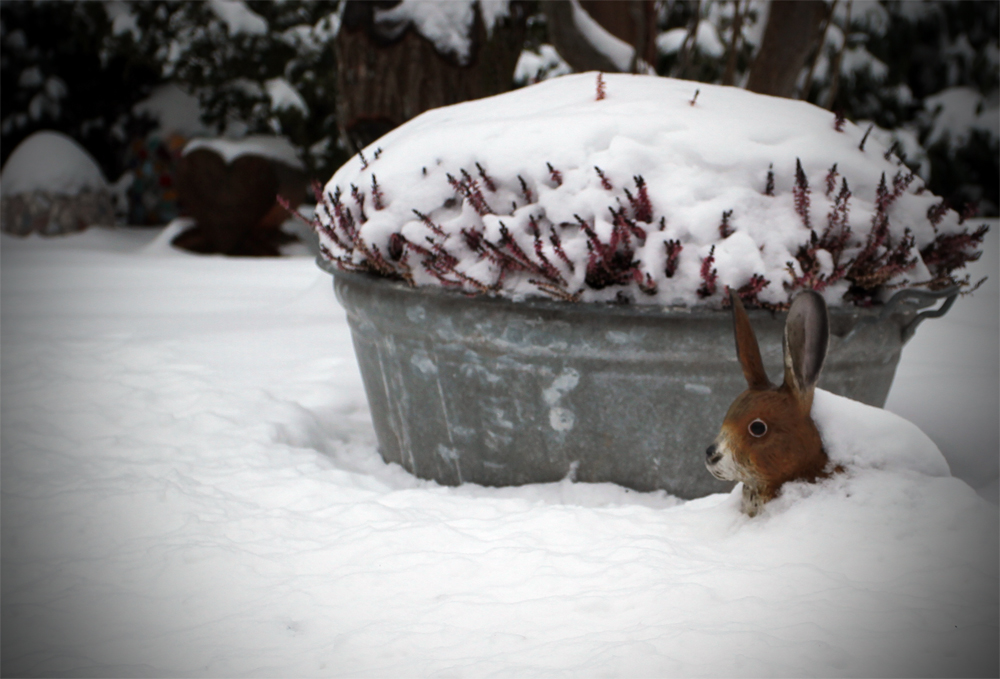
(55, 74)
(68, 66)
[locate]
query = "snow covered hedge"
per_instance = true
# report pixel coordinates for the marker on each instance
(50, 185)
(640, 189)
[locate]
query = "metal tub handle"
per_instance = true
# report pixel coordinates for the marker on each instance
(925, 298)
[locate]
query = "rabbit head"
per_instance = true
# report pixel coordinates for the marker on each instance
(768, 436)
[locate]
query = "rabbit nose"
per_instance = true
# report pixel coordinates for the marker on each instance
(712, 454)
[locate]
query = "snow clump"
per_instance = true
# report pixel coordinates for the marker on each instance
(623, 188)
(275, 148)
(446, 24)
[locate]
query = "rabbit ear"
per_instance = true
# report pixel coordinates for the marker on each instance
(807, 334)
(747, 350)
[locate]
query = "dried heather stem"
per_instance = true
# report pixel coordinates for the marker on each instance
(801, 194)
(831, 180)
(557, 246)
(641, 206)
(529, 197)
(725, 230)
(935, 213)
(605, 182)
(861, 146)
(555, 174)
(487, 180)
(838, 120)
(673, 248)
(377, 198)
(709, 275)
(359, 199)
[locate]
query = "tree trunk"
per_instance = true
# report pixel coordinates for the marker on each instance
(385, 80)
(688, 46)
(793, 28)
(831, 96)
(818, 52)
(729, 76)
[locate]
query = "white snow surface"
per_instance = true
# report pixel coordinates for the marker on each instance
(706, 40)
(176, 110)
(446, 23)
(671, 41)
(698, 161)
(533, 67)
(239, 18)
(958, 111)
(190, 487)
(122, 19)
(50, 161)
(493, 11)
(619, 52)
(284, 96)
(276, 148)
(856, 435)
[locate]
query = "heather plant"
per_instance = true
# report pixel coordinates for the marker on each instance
(869, 263)
(501, 234)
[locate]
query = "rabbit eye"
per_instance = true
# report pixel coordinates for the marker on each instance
(758, 428)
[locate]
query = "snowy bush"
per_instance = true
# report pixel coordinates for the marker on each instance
(51, 185)
(640, 189)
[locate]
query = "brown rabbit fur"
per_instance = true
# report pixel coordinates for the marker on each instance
(768, 437)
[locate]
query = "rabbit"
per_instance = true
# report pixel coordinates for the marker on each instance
(768, 436)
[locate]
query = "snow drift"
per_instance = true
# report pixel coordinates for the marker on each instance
(190, 487)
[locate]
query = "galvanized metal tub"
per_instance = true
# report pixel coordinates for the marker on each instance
(496, 392)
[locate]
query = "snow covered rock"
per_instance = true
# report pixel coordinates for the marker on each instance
(51, 185)
(230, 188)
(651, 190)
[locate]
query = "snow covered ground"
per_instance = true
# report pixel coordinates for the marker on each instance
(190, 487)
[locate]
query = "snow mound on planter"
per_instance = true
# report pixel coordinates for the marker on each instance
(861, 436)
(51, 162)
(642, 189)
(274, 148)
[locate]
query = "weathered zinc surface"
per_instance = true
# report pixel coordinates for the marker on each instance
(497, 392)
